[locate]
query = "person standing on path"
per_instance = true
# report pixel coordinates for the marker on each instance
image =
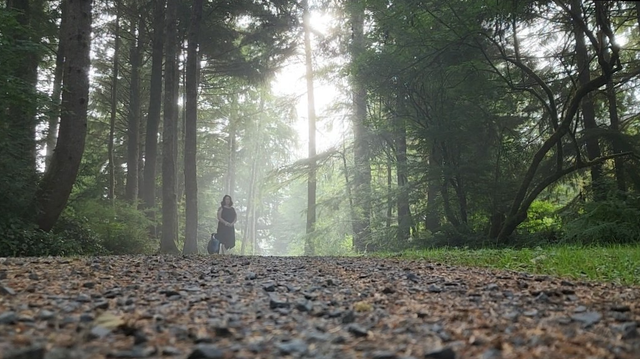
(226, 220)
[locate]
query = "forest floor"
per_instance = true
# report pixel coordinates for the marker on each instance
(300, 307)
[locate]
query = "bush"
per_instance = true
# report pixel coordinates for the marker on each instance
(19, 239)
(121, 227)
(606, 222)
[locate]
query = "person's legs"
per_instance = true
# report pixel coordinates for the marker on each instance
(223, 249)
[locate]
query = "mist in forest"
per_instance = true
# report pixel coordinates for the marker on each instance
(338, 128)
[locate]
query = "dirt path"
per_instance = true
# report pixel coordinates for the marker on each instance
(270, 307)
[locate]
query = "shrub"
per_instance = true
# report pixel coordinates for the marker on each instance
(121, 227)
(611, 221)
(19, 239)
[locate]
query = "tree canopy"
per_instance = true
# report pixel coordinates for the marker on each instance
(124, 123)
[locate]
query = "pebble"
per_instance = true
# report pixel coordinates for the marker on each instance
(587, 318)
(492, 286)
(135, 352)
(4, 290)
(99, 332)
(171, 351)
(412, 277)
(33, 352)
(275, 303)
(251, 276)
(45, 314)
(295, 346)
(357, 330)
(83, 298)
(206, 351)
(384, 355)
(443, 353)
(8, 318)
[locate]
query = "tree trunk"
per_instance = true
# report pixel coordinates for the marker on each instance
(170, 137)
(404, 212)
(54, 113)
(362, 169)
(231, 165)
(133, 131)
(612, 100)
(58, 181)
(458, 186)
(389, 192)
(311, 113)
(114, 108)
(252, 198)
(191, 127)
(434, 181)
(588, 108)
(155, 103)
(638, 13)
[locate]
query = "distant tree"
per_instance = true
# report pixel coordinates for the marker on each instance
(170, 135)
(191, 127)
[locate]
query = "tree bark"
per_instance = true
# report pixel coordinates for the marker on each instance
(612, 100)
(404, 212)
(114, 107)
(588, 108)
(54, 113)
(434, 183)
(361, 215)
(155, 103)
(58, 181)
(133, 130)
(311, 113)
(231, 165)
(390, 203)
(170, 136)
(250, 219)
(191, 127)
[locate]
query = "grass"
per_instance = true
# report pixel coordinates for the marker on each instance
(617, 264)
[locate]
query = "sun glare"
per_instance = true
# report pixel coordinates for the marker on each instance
(291, 82)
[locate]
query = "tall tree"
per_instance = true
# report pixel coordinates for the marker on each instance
(587, 105)
(155, 103)
(170, 135)
(54, 113)
(191, 126)
(133, 130)
(232, 145)
(59, 178)
(400, 137)
(114, 107)
(311, 113)
(362, 170)
(529, 188)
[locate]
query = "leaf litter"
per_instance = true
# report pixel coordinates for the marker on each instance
(304, 307)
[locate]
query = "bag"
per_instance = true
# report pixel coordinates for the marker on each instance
(214, 245)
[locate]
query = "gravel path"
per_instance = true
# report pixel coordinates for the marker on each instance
(277, 307)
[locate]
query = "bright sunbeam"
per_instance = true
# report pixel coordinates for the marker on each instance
(291, 82)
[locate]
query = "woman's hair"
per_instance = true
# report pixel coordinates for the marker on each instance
(230, 200)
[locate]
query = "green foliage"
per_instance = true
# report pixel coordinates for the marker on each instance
(121, 227)
(610, 221)
(620, 264)
(542, 216)
(19, 239)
